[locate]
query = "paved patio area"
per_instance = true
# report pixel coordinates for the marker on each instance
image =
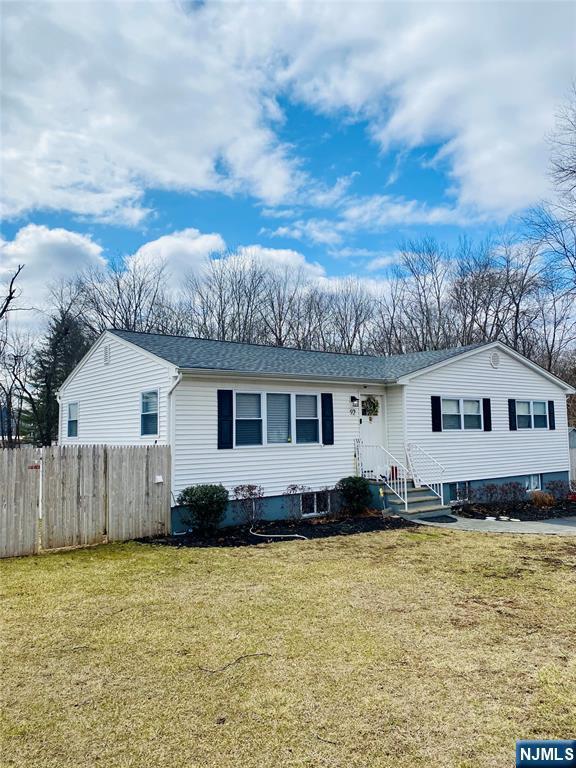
(559, 526)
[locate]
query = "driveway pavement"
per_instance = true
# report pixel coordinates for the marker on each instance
(560, 526)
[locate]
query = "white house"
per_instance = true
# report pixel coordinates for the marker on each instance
(423, 425)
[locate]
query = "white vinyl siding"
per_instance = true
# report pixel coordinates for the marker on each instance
(475, 454)
(394, 422)
(275, 466)
(110, 395)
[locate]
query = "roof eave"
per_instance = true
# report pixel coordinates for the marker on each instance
(231, 373)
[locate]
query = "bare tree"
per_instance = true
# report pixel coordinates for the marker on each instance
(132, 297)
(15, 364)
(7, 298)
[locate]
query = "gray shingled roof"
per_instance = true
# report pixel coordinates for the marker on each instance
(188, 353)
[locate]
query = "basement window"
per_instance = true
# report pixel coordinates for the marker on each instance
(315, 503)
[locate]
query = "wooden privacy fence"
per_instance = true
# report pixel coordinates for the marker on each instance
(70, 496)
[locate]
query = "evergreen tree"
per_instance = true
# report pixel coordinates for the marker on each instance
(64, 345)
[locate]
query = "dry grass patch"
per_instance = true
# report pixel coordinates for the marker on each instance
(412, 647)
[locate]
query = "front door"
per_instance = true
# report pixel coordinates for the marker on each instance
(371, 420)
(371, 435)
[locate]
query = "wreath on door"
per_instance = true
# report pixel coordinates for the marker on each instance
(371, 406)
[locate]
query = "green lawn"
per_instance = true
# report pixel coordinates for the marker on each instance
(402, 648)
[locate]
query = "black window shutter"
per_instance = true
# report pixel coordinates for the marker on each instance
(436, 403)
(225, 413)
(551, 415)
(487, 414)
(327, 418)
(512, 414)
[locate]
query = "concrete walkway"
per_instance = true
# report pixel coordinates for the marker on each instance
(559, 526)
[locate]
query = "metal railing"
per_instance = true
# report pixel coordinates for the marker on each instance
(425, 470)
(376, 463)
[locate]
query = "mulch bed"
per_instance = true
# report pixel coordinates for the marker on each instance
(524, 511)
(314, 528)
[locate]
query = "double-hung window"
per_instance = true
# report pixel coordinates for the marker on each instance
(531, 414)
(307, 424)
(460, 413)
(72, 427)
(149, 413)
(276, 418)
(248, 418)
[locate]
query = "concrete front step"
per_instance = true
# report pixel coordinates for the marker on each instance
(413, 499)
(432, 511)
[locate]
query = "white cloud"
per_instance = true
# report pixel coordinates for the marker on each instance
(48, 256)
(106, 100)
(320, 231)
(381, 263)
(182, 253)
(371, 213)
(282, 257)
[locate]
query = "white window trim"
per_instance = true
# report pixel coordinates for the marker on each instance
(461, 400)
(264, 418)
(68, 419)
(531, 404)
(157, 433)
(318, 418)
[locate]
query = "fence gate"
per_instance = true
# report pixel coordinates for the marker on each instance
(19, 488)
(88, 494)
(73, 496)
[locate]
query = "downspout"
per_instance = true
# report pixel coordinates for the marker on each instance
(171, 426)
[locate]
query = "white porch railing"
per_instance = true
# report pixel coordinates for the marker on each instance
(376, 463)
(425, 470)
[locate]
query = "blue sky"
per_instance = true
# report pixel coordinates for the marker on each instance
(321, 135)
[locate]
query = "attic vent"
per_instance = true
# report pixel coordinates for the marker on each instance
(494, 359)
(107, 354)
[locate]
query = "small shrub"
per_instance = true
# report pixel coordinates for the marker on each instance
(249, 500)
(355, 493)
(490, 493)
(542, 500)
(207, 506)
(560, 489)
(512, 494)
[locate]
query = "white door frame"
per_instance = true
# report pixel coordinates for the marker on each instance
(382, 437)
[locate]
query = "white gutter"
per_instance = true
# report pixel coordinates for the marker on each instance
(171, 424)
